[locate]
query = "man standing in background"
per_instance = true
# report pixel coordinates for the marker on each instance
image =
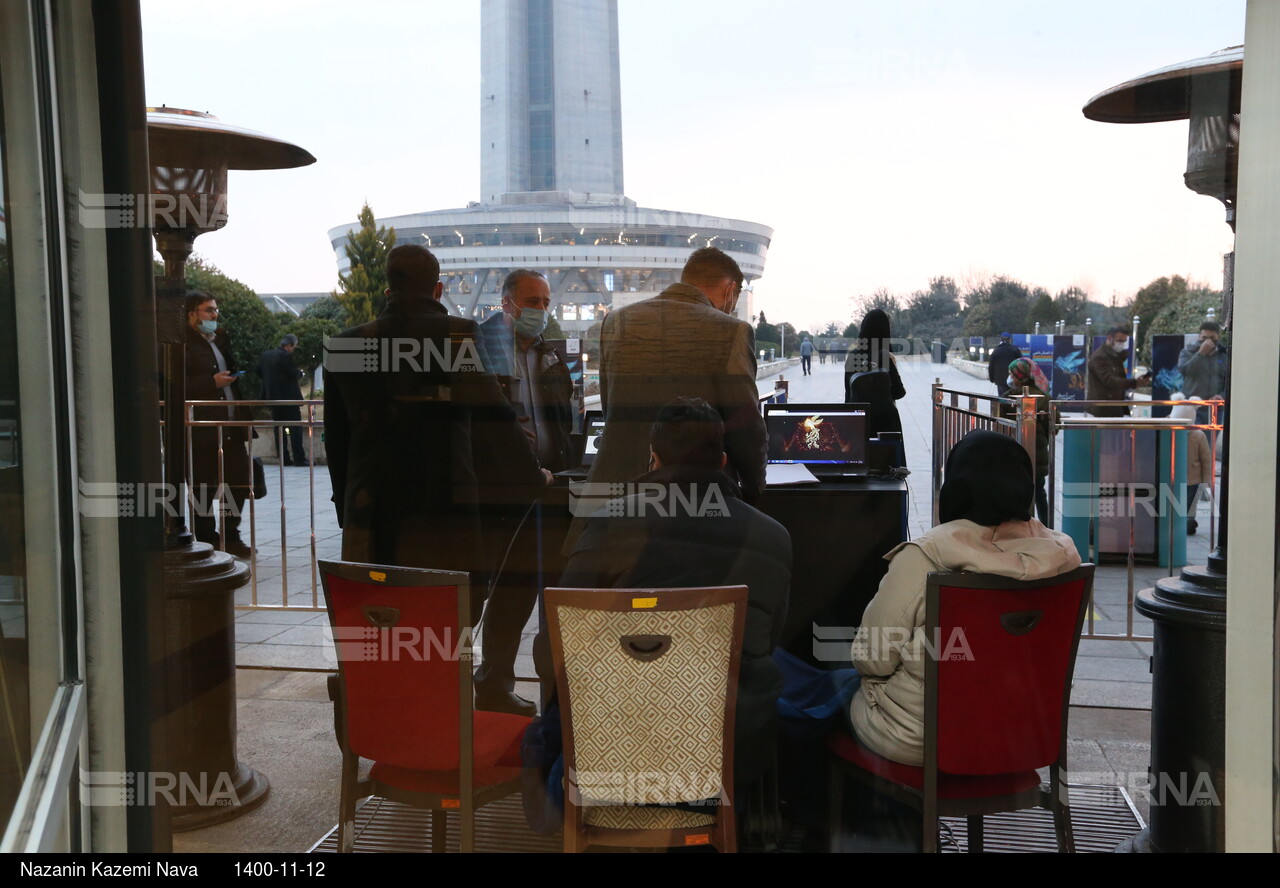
(280, 383)
(1002, 356)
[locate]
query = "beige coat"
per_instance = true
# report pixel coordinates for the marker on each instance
(888, 709)
(1200, 466)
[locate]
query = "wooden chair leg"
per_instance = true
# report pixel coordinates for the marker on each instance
(1061, 808)
(467, 827)
(439, 831)
(835, 808)
(975, 833)
(347, 803)
(573, 838)
(726, 822)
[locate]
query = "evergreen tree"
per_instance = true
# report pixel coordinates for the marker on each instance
(327, 308)
(362, 290)
(1042, 311)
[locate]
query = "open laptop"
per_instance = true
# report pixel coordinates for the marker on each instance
(830, 440)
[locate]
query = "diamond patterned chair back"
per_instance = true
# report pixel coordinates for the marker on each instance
(648, 681)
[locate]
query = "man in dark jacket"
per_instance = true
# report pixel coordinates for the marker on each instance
(998, 363)
(211, 376)
(536, 381)
(280, 383)
(1107, 379)
(652, 541)
(419, 437)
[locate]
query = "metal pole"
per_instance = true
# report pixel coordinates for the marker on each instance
(1133, 346)
(1088, 352)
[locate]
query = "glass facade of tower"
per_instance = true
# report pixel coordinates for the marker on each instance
(542, 121)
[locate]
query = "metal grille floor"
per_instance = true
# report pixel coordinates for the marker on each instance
(1101, 818)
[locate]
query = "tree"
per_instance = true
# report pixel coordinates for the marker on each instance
(831, 329)
(851, 331)
(787, 338)
(1043, 312)
(765, 332)
(252, 326)
(881, 299)
(329, 309)
(934, 313)
(1005, 303)
(1184, 315)
(1152, 299)
(362, 290)
(312, 334)
(1072, 305)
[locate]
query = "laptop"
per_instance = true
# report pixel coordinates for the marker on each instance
(592, 430)
(830, 440)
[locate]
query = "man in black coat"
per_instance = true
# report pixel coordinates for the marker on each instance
(998, 363)
(419, 437)
(280, 383)
(651, 541)
(211, 376)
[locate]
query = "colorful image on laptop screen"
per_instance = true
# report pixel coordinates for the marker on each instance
(818, 435)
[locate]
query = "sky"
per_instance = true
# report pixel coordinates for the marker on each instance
(885, 143)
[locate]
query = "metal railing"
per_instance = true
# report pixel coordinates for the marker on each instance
(1168, 489)
(956, 413)
(265, 560)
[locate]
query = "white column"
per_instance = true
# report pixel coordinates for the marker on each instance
(1255, 348)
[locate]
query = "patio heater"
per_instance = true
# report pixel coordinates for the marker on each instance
(1188, 722)
(190, 154)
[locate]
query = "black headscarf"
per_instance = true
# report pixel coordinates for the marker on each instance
(988, 480)
(874, 337)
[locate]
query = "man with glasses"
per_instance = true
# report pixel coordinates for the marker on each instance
(211, 376)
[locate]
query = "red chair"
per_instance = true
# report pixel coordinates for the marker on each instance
(403, 637)
(997, 688)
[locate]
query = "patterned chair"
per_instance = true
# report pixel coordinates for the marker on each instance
(403, 698)
(647, 682)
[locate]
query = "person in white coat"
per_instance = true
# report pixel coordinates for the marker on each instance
(986, 509)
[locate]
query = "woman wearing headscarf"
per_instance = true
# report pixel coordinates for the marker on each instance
(872, 352)
(1025, 374)
(985, 506)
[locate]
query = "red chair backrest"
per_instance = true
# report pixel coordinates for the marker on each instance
(401, 681)
(1005, 653)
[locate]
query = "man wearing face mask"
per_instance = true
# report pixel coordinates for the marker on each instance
(536, 381)
(534, 376)
(1108, 380)
(211, 376)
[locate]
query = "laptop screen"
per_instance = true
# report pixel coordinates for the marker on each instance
(817, 434)
(593, 429)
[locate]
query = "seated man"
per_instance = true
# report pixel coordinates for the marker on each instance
(724, 542)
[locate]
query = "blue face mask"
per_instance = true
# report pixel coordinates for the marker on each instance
(531, 323)
(209, 327)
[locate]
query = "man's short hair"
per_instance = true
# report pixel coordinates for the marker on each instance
(412, 268)
(688, 432)
(1118, 331)
(515, 277)
(1212, 326)
(195, 299)
(288, 339)
(710, 265)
